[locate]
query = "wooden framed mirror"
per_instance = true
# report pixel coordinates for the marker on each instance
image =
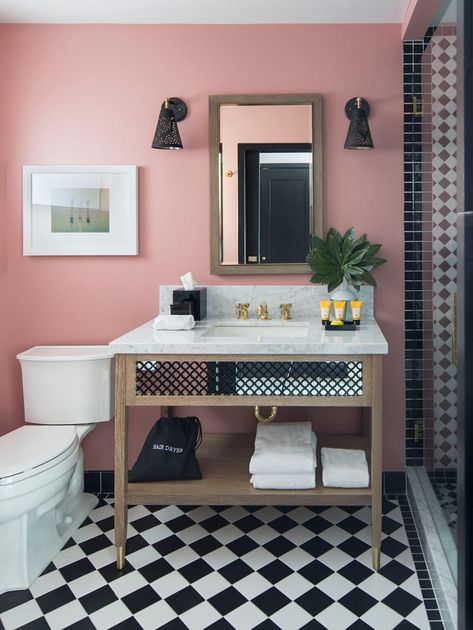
(265, 181)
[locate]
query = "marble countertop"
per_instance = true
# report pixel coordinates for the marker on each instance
(367, 339)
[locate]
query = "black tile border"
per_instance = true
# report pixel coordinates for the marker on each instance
(428, 595)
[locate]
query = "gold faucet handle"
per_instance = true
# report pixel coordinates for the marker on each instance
(262, 312)
(243, 310)
(285, 311)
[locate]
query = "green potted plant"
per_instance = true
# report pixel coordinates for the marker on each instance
(342, 262)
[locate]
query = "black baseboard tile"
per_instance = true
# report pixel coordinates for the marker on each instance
(394, 482)
(106, 486)
(101, 482)
(92, 481)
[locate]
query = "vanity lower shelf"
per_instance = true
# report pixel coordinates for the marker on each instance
(224, 459)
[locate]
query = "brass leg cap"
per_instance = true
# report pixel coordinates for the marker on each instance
(120, 557)
(376, 558)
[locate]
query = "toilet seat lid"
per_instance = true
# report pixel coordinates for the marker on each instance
(31, 446)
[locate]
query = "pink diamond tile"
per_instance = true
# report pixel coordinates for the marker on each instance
(444, 161)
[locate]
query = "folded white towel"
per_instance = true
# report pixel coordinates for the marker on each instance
(287, 481)
(284, 481)
(174, 322)
(283, 447)
(344, 468)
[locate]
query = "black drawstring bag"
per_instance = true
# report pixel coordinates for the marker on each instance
(169, 451)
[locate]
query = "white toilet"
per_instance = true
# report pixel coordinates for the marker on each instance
(42, 499)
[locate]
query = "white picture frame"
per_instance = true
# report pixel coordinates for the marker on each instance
(80, 210)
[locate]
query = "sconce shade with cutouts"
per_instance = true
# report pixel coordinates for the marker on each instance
(359, 135)
(167, 136)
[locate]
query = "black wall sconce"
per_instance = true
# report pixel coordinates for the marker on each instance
(166, 136)
(358, 137)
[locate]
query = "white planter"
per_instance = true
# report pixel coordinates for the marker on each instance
(343, 292)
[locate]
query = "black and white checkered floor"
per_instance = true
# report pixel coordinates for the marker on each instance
(233, 567)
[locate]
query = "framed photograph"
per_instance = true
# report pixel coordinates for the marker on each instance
(80, 210)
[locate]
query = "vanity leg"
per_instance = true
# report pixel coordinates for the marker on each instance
(376, 460)
(120, 557)
(121, 459)
(376, 558)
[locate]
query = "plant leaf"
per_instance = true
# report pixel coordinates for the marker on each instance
(324, 269)
(376, 262)
(372, 250)
(356, 258)
(368, 279)
(334, 248)
(333, 285)
(334, 233)
(349, 235)
(317, 242)
(347, 246)
(360, 242)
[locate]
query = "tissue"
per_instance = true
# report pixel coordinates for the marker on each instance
(188, 281)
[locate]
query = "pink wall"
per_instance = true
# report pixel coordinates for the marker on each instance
(90, 94)
(263, 124)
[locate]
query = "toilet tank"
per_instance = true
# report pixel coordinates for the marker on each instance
(68, 384)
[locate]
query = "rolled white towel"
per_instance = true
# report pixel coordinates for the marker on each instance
(284, 481)
(344, 468)
(283, 447)
(174, 322)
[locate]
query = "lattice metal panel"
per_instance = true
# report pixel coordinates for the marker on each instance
(245, 378)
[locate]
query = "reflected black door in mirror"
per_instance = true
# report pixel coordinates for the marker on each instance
(274, 209)
(285, 213)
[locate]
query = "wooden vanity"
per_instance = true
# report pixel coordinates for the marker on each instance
(153, 377)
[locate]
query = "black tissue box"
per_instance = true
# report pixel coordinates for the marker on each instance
(181, 308)
(197, 298)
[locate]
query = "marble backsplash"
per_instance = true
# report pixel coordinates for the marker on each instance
(221, 299)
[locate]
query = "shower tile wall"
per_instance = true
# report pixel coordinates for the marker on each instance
(430, 248)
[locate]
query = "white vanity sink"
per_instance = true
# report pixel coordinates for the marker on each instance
(261, 330)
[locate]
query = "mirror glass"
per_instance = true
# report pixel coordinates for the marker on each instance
(266, 182)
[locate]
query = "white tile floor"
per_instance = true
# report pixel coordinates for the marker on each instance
(232, 567)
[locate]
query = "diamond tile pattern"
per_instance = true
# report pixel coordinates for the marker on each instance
(323, 581)
(444, 245)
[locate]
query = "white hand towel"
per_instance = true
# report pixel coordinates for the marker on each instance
(284, 481)
(344, 468)
(174, 322)
(283, 447)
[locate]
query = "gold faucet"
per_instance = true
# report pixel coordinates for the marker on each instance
(262, 312)
(285, 311)
(242, 311)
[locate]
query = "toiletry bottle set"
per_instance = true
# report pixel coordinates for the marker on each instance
(339, 311)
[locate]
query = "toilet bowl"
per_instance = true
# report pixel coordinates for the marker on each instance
(42, 501)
